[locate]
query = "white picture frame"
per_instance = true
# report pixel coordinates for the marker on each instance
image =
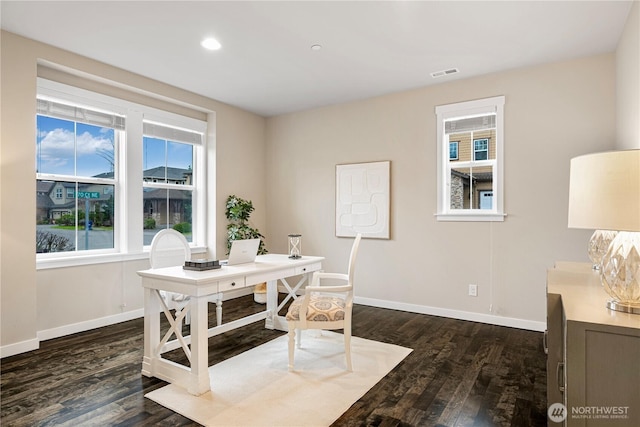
(363, 199)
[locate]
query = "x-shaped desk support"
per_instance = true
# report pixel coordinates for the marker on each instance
(175, 326)
(291, 292)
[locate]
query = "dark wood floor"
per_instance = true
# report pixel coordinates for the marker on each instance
(459, 374)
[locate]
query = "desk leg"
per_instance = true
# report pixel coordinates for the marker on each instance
(272, 303)
(199, 382)
(219, 310)
(151, 331)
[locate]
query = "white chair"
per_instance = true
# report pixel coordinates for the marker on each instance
(325, 307)
(170, 248)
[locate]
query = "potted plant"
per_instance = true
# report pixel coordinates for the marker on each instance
(238, 212)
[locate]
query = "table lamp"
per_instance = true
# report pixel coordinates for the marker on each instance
(604, 194)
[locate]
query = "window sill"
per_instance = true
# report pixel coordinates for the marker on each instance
(79, 260)
(471, 217)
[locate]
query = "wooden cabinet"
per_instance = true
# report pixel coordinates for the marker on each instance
(593, 353)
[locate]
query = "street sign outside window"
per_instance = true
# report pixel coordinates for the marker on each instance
(88, 194)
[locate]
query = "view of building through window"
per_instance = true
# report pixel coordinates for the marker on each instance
(472, 169)
(75, 201)
(167, 187)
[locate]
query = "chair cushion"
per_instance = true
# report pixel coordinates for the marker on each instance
(321, 308)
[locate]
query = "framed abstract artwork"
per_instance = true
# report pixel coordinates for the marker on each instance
(363, 199)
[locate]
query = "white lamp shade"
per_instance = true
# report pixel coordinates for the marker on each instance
(604, 191)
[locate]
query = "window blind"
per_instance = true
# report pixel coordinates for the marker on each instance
(47, 107)
(470, 123)
(171, 134)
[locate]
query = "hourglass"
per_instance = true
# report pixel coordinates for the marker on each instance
(294, 246)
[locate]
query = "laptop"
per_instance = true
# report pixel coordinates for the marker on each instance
(243, 251)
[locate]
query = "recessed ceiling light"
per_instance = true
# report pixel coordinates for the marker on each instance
(316, 47)
(211, 44)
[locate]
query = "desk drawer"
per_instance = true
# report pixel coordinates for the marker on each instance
(226, 285)
(265, 277)
(308, 268)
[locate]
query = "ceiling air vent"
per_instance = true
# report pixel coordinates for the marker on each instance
(437, 74)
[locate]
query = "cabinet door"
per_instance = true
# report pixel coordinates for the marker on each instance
(603, 375)
(555, 350)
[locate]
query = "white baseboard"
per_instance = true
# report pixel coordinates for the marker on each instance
(455, 314)
(116, 318)
(47, 334)
(34, 344)
(74, 328)
(19, 347)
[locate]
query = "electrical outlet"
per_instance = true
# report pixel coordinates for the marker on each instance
(473, 290)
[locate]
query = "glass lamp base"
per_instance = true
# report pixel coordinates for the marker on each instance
(620, 274)
(598, 245)
(626, 308)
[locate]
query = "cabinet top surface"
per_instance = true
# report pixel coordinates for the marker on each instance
(583, 298)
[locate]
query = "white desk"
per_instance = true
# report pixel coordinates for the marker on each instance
(199, 285)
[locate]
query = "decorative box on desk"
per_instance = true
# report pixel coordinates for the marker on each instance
(593, 362)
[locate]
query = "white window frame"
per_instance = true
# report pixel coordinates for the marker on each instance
(461, 110)
(128, 236)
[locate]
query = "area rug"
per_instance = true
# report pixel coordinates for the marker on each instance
(255, 388)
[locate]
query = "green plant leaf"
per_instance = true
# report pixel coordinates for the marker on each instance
(238, 212)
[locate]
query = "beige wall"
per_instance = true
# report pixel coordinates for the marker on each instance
(55, 299)
(628, 82)
(428, 265)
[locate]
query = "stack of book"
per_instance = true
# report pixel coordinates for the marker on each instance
(201, 264)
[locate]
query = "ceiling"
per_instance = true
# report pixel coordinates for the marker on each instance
(266, 64)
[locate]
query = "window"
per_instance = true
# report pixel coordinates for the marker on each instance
(453, 150)
(480, 149)
(75, 158)
(168, 160)
(103, 188)
(470, 177)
